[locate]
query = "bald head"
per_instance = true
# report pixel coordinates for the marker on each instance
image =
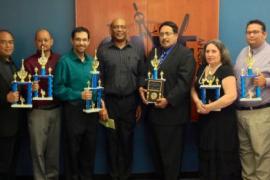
(118, 21)
(42, 30)
(119, 30)
(43, 39)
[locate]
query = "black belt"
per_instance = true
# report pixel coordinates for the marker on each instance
(254, 107)
(48, 107)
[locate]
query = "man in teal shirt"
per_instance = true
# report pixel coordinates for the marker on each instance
(71, 76)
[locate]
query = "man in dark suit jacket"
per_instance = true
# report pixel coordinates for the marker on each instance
(9, 117)
(169, 114)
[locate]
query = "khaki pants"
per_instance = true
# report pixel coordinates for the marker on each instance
(254, 137)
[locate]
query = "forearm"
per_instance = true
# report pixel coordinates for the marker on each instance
(222, 102)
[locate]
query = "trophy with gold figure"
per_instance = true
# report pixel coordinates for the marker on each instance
(25, 100)
(209, 82)
(94, 85)
(155, 85)
(42, 94)
(249, 95)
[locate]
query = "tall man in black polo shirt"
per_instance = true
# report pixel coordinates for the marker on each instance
(10, 117)
(120, 66)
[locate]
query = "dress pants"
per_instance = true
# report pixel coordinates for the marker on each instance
(44, 130)
(254, 138)
(8, 156)
(120, 140)
(167, 149)
(79, 142)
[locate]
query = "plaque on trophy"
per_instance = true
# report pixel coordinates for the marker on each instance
(43, 94)
(94, 85)
(254, 93)
(155, 84)
(25, 99)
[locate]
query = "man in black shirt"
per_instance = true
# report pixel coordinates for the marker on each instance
(9, 124)
(121, 65)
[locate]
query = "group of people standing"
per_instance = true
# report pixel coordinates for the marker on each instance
(233, 137)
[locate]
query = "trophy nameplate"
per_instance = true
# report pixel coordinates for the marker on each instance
(154, 90)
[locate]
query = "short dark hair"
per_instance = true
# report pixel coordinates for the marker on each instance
(80, 29)
(257, 21)
(7, 31)
(171, 24)
(224, 52)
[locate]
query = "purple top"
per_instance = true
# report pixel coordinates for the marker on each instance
(261, 56)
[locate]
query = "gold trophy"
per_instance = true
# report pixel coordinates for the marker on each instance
(43, 95)
(208, 82)
(253, 94)
(22, 74)
(94, 85)
(155, 85)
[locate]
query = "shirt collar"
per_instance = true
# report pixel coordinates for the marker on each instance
(166, 52)
(112, 45)
(74, 56)
(258, 49)
(38, 54)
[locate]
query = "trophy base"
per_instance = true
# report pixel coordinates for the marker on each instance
(150, 102)
(250, 99)
(43, 98)
(91, 110)
(21, 105)
(210, 87)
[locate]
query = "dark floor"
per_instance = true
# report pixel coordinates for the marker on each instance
(184, 176)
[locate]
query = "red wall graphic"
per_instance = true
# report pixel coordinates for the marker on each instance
(197, 19)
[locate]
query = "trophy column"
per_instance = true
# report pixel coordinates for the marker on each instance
(94, 105)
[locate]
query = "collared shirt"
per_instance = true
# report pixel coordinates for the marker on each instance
(261, 56)
(71, 76)
(31, 63)
(120, 68)
(165, 53)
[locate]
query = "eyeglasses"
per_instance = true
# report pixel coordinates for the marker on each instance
(255, 32)
(4, 42)
(162, 34)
